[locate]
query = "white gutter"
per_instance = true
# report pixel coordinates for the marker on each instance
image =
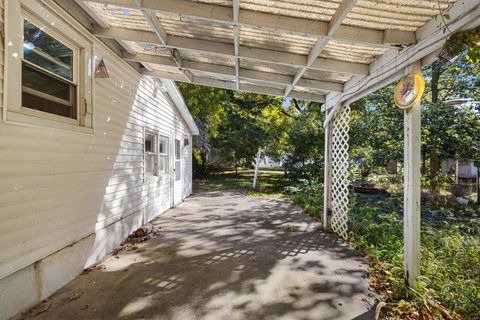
(177, 99)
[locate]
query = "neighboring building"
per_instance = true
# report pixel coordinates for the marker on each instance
(268, 163)
(466, 168)
(84, 161)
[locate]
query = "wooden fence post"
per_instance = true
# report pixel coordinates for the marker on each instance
(412, 192)
(257, 164)
(327, 180)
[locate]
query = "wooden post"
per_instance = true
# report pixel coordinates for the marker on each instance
(411, 202)
(327, 182)
(257, 164)
(477, 163)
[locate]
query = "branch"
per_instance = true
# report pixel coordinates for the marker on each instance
(287, 114)
(295, 104)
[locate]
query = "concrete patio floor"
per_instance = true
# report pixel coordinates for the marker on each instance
(222, 255)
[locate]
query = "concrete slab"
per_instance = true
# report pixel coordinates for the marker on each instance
(222, 255)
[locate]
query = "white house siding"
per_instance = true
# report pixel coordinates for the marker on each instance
(466, 168)
(61, 188)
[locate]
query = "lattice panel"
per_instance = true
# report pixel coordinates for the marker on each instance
(340, 181)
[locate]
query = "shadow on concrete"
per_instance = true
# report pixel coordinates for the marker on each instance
(221, 255)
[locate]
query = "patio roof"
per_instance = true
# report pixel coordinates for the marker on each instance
(295, 48)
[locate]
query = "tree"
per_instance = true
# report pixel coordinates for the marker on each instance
(450, 130)
(207, 106)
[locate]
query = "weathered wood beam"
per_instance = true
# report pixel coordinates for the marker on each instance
(269, 21)
(228, 50)
(333, 25)
(162, 35)
(231, 85)
(214, 69)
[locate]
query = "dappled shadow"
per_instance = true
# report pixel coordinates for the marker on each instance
(263, 259)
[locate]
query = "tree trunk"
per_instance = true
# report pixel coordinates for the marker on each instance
(424, 161)
(434, 159)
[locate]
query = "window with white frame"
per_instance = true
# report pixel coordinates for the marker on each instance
(49, 61)
(49, 81)
(162, 155)
(151, 154)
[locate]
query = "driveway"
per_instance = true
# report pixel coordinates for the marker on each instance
(222, 255)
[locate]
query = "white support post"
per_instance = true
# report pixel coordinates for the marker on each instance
(257, 164)
(327, 180)
(411, 197)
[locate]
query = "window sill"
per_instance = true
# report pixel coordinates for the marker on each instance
(29, 120)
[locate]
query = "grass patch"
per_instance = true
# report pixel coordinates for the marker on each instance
(270, 183)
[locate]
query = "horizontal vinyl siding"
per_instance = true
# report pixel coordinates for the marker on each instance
(57, 187)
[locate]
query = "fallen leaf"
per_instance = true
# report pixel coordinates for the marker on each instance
(42, 307)
(75, 296)
(100, 267)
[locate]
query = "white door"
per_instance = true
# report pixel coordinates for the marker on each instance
(177, 171)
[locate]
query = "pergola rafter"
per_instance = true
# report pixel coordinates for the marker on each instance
(254, 19)
(340, 14)
(228, 50)
(162, 35)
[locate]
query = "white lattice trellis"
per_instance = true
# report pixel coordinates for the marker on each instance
(339, 163)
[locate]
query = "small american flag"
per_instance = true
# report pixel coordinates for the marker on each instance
(101, 70)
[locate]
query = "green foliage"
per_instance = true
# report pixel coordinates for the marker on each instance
(305, 140)
(450, 269)
(464, 40)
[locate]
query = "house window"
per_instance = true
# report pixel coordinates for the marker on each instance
(151, 154)
(49, 66)
(48, 73)
(163, 155)
(178, 163)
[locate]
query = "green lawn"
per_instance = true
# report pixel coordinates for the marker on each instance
(269, 182)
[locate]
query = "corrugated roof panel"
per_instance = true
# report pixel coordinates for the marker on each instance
(315, 10)
(353, 53)
(191, 28)
(326, 76)
(207, 58)
(115, 16)
(406, 15)
(277, 41)
(148, 48)
(267, 67)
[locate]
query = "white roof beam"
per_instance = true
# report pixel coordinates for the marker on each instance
(248, 18)
(333, 25)
(214, 69)
(162, 35)
(228, 50)
(231, 85)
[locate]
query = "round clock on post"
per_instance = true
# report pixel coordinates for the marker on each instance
(409, 90)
